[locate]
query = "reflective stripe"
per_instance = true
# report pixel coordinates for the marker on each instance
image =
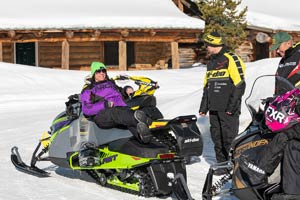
(236, 68)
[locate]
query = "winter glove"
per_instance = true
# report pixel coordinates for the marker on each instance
(95, 98)
(109, 104)
(293, 133)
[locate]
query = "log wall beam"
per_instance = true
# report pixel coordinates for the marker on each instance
(122, 56)
(109, 39)
(1, 52)
(175, 55)
(65, 55)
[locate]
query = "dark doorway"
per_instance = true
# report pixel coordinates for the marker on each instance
(130, 53)
(262, 50)
(111, 53)
(25, 53)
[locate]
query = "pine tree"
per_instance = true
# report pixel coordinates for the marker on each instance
(222, 16)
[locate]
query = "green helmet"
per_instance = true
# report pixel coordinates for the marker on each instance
(95, 66)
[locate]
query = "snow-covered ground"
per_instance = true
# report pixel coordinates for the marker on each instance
(30, 97)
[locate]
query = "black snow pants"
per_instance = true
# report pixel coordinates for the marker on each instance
(285, 149)
(117, 117)
(223, 129)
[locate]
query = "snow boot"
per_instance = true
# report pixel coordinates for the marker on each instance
(144, 132)
(143, 126)
(140, 116)
(88, 155)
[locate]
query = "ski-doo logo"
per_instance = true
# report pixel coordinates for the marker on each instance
(216, 74)
(191, 140)
(109, 159)
(276, 115)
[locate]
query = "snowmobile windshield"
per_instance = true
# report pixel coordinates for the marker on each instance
(262, 90)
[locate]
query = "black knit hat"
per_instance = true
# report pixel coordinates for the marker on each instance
(213, 39)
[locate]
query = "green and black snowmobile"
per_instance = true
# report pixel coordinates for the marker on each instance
(120, 161)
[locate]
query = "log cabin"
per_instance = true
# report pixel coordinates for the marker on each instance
(123, 34)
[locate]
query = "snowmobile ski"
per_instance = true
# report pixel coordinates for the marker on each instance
(21, 166)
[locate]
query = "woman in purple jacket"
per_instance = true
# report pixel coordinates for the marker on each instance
(103, 103)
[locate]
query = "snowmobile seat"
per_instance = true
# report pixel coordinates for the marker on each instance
(133, 147)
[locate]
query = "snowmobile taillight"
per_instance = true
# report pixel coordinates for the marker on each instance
(166, 156)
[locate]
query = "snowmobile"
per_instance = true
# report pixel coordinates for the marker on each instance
(120, 161)
(238, 181)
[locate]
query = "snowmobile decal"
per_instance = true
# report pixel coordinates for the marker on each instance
(275, 115)
(249, 145)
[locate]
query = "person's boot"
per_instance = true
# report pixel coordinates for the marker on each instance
(143, 126)
(88, 154)
(140, 116)
(144, 132)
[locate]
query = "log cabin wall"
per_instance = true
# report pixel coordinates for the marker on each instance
(151, 53)
(50, 54)
(8, 52)
(82, 54)
(187, 56)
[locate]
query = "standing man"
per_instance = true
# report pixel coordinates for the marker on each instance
(289, 65)
(224, 86)
(285, 146)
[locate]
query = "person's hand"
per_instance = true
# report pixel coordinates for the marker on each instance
(110, 104)
(229, 113)
(202, 114)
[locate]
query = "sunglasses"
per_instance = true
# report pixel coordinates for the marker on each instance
(101, 70)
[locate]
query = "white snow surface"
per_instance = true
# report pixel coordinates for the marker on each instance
(94, 14)
(30, 98)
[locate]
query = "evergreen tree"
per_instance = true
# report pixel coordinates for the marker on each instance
(222, 16)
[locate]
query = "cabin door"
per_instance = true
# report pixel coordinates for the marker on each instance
(25, 53)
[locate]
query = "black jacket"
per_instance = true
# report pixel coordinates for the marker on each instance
(289, 68)
(224, 83)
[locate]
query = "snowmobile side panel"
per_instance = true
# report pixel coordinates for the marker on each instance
(110, 160)
(135, 148)
(247, 194)
(69, 139)
(130, 186)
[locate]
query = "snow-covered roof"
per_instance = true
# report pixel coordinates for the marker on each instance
(271, 22)
(94, 14)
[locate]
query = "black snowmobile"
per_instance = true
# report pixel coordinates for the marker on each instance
(120, 161)
(238, 180)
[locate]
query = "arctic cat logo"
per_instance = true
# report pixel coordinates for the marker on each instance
(109, 159)
(276, 115)
(191, 140)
